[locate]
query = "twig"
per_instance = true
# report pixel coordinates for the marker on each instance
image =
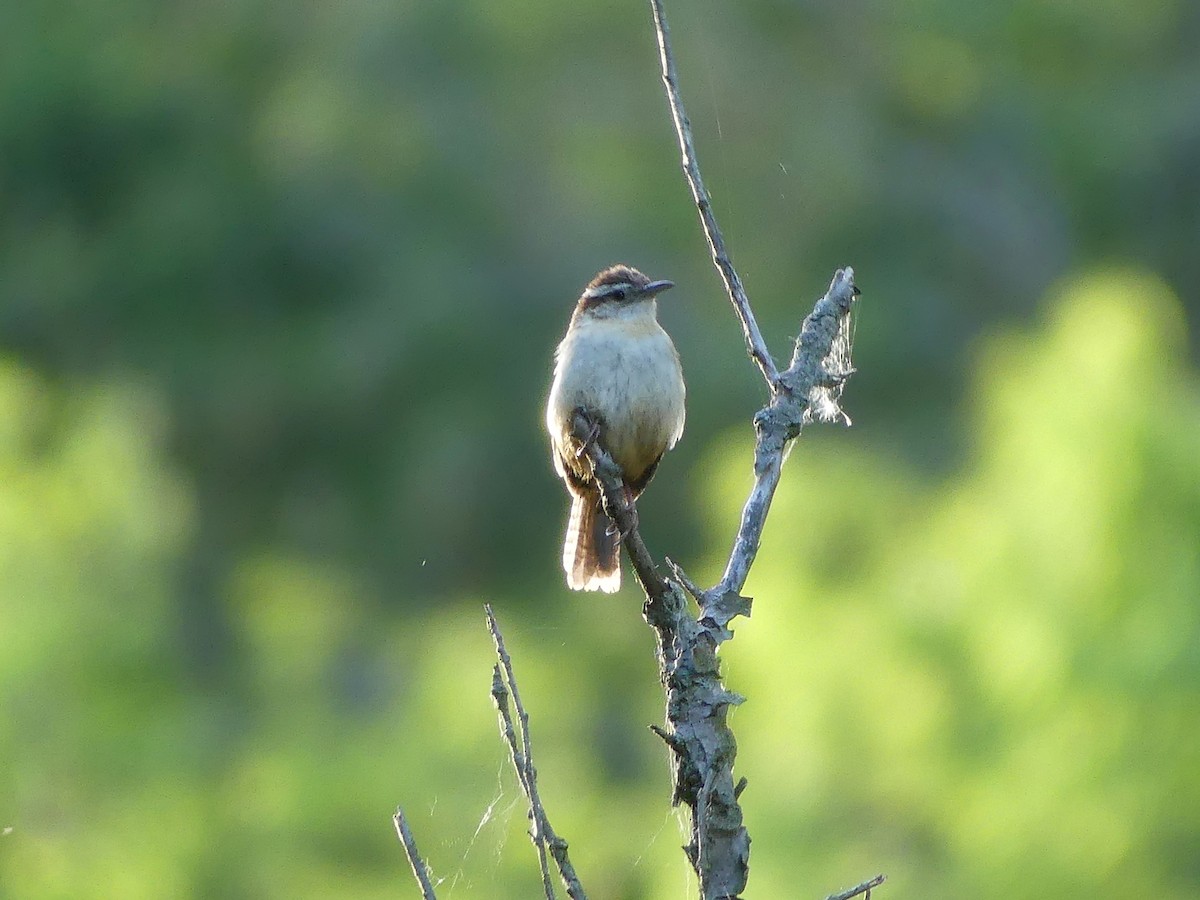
(500, 696)
(864, 888)
(755, 344)
(504, 683)
(420, 872)
(501, 688)
(681, 576)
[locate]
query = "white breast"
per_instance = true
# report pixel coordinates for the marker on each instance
(625, 368)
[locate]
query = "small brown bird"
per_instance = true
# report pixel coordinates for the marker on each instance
(617, 365)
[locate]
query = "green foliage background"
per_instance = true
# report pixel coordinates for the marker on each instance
(279, 287)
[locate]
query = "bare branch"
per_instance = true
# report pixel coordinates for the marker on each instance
(420, 872)
(703, 747)
(504, 684)
(755, 344)
(780, 422)
(864, 888)
(806, 372)
(500, 696)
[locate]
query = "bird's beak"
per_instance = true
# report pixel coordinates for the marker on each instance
(657, 287)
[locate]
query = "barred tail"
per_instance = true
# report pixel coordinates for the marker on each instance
(591, 552)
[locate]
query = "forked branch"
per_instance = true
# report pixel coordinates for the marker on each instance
(516, 736)
(703, 748)
(702, 745)
(504, 685)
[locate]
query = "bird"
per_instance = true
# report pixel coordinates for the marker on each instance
(619, 368)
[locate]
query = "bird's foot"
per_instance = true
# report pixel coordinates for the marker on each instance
(587, 430)
(627, 498)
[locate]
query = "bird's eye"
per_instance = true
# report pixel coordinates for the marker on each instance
(618, 293)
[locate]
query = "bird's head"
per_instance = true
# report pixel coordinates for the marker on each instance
(620, 288)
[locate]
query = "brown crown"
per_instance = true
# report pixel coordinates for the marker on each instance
(619, 274)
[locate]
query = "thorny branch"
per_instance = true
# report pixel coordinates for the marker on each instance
(504, 684)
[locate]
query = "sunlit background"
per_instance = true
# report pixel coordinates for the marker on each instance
(279, 287)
